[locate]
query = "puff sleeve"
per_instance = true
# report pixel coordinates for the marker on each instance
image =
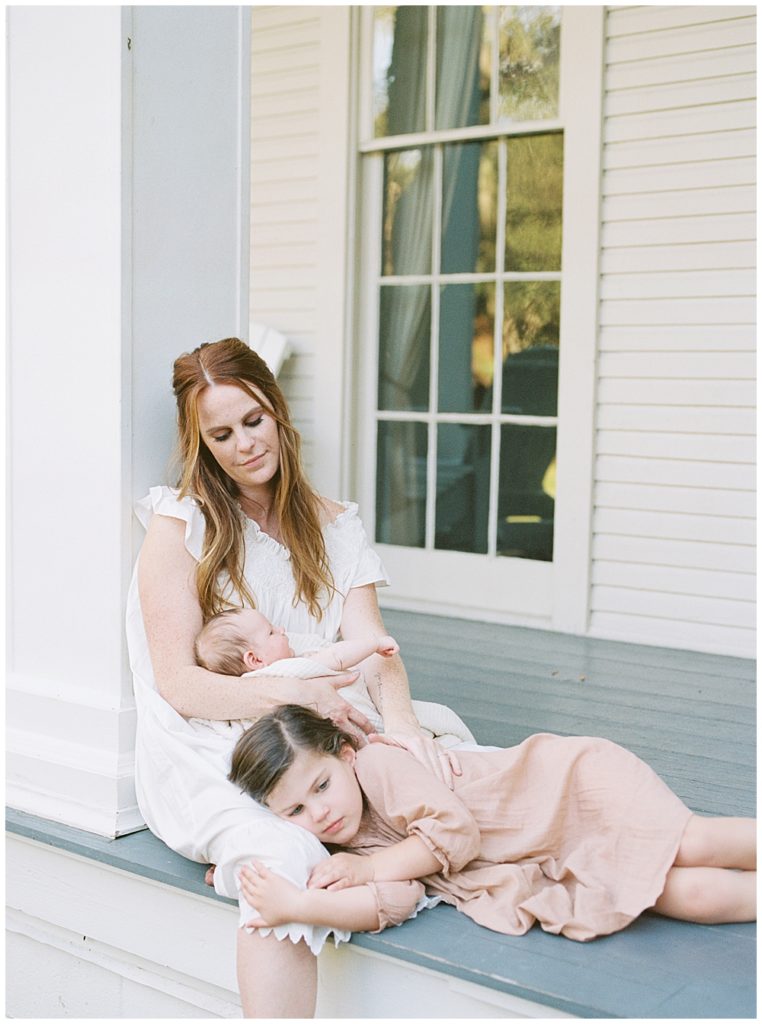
(409, 798)
(163, 501)
(396, 901)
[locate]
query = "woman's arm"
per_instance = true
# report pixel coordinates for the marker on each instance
(389, 689)
(172, 618)
(385, 678)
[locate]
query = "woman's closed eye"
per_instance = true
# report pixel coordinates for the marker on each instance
(220, 438)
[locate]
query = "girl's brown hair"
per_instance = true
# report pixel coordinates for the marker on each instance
(298, 507)
(268, 748)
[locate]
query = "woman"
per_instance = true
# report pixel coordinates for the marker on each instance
(246, 529)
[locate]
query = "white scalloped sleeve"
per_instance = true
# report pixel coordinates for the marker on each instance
(163, 501)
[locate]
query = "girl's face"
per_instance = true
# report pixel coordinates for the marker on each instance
(320, 793)
(241, 434)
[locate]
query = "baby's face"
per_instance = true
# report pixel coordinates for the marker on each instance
(268, 642)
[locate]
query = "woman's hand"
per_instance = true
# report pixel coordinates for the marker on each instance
(341, 871)
(275, 899)
(328, 702)
(441, 762)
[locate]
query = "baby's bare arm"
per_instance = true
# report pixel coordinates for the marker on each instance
(347, 653)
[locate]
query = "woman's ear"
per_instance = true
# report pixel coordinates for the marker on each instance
(252, 662)
(348, 754)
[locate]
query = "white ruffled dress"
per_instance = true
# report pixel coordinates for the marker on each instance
(181, 772)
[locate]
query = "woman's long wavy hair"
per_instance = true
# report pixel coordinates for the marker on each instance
(231, 361)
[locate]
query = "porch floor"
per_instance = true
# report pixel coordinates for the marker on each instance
(691, 716)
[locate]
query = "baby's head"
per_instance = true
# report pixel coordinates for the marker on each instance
(240, 640)
(301, 766)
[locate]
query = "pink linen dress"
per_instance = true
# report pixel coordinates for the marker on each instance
(575, 833)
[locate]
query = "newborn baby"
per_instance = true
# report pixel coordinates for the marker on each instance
(241, 641)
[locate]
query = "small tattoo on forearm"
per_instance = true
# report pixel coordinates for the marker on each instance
(380, 693)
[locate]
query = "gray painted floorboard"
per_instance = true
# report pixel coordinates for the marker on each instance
(691, 716)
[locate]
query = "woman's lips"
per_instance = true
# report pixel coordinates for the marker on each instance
(251, 462)
(334, 827)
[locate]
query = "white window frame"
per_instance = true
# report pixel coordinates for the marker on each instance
(495, 587)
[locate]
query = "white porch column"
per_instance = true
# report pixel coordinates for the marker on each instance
(128, 213)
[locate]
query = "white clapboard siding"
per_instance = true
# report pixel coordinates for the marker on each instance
(297, 199)
(673, 524)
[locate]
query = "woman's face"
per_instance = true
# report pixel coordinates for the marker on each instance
(241, 434)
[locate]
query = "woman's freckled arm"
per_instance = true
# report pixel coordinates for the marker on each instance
(386, 678)
(172, 618)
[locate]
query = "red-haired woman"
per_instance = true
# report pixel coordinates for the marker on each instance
(246, 529)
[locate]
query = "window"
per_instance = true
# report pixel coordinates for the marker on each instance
(464, 153)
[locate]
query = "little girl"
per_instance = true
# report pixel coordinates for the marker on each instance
(574, 832)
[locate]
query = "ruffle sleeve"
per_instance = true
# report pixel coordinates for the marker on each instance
(396, 901)
(350, 548)
(163, 501)
(412, 801)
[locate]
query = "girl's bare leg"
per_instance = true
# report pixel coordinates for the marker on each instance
(276, 978)
(719, 843)
(709, 895)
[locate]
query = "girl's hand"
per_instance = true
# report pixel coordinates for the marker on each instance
(387, 646)
(272, 896)
(341, 871)
(442, 763)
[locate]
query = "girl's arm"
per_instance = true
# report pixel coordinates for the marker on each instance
(278, 901)
(346, 654)
(172, 618)
(369, 907)
(401, 862)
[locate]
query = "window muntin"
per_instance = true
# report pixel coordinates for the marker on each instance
(469, 290)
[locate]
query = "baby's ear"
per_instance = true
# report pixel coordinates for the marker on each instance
(251, 661)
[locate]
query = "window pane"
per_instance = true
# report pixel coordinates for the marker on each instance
(466, 347)
(527, 492)
(404, 343)
(530, 347)
(463, 460)
(534, 203)
(469, 208)
(407, 212)
(399, 69)
(463, 67)
(529, 50)
(401, 484)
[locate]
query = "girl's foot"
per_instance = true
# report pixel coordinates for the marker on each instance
(209, 876)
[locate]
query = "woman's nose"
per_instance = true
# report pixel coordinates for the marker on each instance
(243, 441)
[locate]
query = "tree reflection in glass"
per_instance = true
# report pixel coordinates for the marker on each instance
(529, 39)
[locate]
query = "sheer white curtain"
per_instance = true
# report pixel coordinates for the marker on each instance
(404, 348)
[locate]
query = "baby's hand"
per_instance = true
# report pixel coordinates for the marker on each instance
(387, 646)
(272, 896)
(341, 871)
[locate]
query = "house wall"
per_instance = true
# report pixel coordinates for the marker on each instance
(299, 206)
(673, 554)
(673, 506)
